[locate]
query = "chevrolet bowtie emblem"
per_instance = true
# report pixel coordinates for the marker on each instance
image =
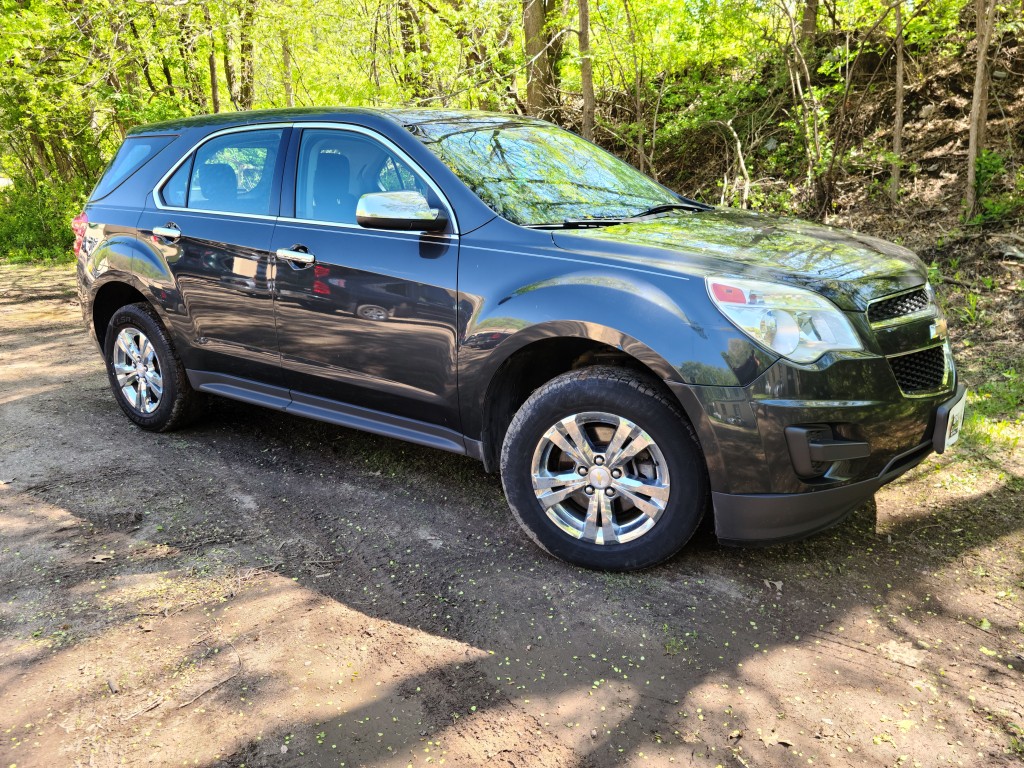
(939, 329)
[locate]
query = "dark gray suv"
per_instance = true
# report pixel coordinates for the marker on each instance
(627, 358)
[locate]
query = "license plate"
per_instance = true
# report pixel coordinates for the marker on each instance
(955, 423)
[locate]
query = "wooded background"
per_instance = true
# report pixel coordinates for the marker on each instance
(802, 106)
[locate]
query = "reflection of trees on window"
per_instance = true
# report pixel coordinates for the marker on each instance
(539, 174)
(395, 177)
(248, 163)
(232, 173)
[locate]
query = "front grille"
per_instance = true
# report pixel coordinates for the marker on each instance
(923, 371)
(898, 306)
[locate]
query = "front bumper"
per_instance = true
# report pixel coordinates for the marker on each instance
(745, 518)
(758, 495)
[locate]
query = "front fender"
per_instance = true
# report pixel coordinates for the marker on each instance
(660, 328)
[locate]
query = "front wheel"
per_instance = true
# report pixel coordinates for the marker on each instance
(603, 471)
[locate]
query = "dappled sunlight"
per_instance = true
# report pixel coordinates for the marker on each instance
(158, 649)
(275, 591)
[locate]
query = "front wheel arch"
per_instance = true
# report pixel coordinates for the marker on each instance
(538, 357)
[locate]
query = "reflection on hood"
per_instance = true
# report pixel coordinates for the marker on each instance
(847, 267)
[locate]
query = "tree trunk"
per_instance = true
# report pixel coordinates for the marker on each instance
(214, 86)
(586, 72)
(414, 47)
(541, 97)
(809, 21)
(286, 61)
(246, 53)
(986, 13)
(229, 69)
(897, 129)
(187, 49)
(143, 59)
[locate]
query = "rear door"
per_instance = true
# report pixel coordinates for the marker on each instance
(373, 319)
(213, 222)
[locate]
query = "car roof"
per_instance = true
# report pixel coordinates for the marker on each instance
(406, 117)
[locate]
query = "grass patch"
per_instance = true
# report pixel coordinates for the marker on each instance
(42, 257)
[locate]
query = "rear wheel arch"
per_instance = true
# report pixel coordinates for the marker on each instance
(111, 297)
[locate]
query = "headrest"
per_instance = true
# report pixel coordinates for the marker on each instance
(330, 180)
(217, 181)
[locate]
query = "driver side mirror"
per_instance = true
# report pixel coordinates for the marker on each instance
(407, 210)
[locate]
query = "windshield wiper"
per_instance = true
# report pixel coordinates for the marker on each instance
(685, 205)
(579, 223)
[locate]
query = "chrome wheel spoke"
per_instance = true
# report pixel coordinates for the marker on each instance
(557, 488)
(623, 432)
(633, 486)
(124, 344)
(651, 508)
(599, 525)
(593, 520)
(126, 374)
(639, 442)
(608, 533)
(156, 385)
(567, 435)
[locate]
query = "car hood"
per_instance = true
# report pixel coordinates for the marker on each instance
(848, 268)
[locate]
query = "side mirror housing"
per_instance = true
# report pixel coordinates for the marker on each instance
(407, 210)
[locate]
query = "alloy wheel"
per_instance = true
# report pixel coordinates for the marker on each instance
(138, 370)
(600, 478)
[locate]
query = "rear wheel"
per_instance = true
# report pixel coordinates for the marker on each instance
(147, 378)
(602, 470)
(373, 312)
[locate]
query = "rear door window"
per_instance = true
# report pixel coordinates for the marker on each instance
(133, 154)
(233, 173)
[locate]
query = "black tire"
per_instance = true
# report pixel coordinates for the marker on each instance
(603, 391)
(178, 403)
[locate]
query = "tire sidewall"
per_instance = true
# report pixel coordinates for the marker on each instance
(668, 429)
(137, 317)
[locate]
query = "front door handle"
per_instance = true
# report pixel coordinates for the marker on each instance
(296, 256)
(170, 232)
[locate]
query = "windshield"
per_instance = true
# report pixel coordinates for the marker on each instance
(535, 174)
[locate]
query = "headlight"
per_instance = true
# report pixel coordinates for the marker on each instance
(797, 324)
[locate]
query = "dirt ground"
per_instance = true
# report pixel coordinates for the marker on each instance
(262, 590)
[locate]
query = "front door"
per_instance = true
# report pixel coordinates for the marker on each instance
(371, 320)
(214, 227)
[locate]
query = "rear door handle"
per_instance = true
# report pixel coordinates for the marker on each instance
(170, 232)
(296, 256)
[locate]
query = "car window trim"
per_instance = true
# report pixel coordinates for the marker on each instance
(388, 144)
(189, 157)
(293, 147)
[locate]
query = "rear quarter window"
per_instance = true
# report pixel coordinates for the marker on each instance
(133, 154)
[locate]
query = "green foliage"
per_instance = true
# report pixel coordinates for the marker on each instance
(1000, 193)
(672, 80)
(35, 222)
